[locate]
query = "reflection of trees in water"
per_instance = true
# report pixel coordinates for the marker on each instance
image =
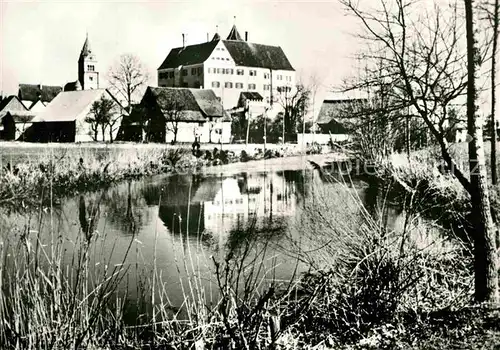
(88, 215)
(252, 233)
(177, 209)
(296, 178)
(125, 208)
(181, 218)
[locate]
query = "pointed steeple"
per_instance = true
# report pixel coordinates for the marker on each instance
(86, 50)
(234, 35)
(216, 37)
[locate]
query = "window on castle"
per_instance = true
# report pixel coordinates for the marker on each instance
(215, 84)
(267, 87)
(229, 71)
(220, 70)
(228, 85)
(194, 71)
(91, 78)
(280, 77)
(91, 68)
(252, 86)
(266, 75)
(253, 72)
(240, 72)
(200, 70)
(238, 85)
(184, 72)
(171, 74)
(163, 75)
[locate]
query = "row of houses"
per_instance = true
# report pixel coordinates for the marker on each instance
(200, 88)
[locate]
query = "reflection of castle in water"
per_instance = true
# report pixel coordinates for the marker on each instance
(218, 205)
(258, 199)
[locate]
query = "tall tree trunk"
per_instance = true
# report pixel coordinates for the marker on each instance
(494, 178)
(485, 260)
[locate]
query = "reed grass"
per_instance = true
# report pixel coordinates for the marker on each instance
(373, 286)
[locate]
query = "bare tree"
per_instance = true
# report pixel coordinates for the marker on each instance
(102, 116)
(492, 16)
(422, 61)
(295, 103)
(428, 68)
(485, 260)
(174, 113)
(127, 76)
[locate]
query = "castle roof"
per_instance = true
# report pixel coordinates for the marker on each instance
(234, 35)
(243, 53)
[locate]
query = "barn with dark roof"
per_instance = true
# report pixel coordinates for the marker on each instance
(180, 115)
(229, 67)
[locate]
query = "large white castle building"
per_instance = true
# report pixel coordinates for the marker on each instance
(230, 67)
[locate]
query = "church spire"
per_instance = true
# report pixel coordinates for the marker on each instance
(86, 50)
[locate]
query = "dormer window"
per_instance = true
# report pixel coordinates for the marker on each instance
(91, 68)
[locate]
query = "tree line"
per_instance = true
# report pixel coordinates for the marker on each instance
(420, 68)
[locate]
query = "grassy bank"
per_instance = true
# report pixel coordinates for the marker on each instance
(28, 171)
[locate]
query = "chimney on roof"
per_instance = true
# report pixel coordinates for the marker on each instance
(246, 36)
(208, 37)
(183, 40)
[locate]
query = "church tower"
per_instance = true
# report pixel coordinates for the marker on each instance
(88, 76)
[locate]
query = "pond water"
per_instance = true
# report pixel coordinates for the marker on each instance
(170, 230)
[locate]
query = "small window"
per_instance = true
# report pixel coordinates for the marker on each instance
(91, 78)
(267, 87)
(194, 71)
(200, 70)
(266, 75)
(200, 124)
(184, 72)
(171, 74)
(228, 85)
(215, 84)
(251, 87)
(280, 77)
(240, 72)
(252, 72)
(227, 58)
(220, 70)
(238, 85)
(229, 71)
(91, 68)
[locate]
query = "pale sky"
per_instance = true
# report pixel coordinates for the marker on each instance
(40, 41)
